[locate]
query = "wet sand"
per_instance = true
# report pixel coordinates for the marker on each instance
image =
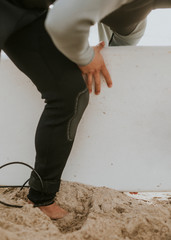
(95, 213)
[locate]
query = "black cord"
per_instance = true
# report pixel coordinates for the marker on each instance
(25, 164)
(10, 205)
(24, 184)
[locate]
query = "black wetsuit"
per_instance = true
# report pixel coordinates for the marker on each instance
(60, 83)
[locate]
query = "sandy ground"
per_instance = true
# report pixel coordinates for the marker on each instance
(94, 214)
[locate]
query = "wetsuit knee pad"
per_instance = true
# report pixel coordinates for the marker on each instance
(80, 105)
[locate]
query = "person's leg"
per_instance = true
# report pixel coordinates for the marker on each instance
(62, 86)
(115, 39)
(126, 25)
(125, 19)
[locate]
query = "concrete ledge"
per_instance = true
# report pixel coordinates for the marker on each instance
(124, 138)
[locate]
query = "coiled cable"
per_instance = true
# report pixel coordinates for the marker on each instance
(27, 165)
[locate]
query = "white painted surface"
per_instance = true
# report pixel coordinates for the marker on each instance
(158, 32)
(124, 138)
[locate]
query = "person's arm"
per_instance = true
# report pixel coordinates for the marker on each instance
(68, 24)
(94, 69)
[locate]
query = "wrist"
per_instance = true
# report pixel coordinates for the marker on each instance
(87, 59)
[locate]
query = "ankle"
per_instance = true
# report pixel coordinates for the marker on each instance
(40, 198)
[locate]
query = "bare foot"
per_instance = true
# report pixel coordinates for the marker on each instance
(53, 211)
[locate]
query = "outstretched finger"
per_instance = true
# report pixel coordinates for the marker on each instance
(89, 82)
(97, 82)
(106, 75)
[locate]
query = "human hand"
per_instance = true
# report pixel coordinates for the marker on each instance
(94, 69)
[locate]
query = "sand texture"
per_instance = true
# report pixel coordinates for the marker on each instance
(94, 214)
